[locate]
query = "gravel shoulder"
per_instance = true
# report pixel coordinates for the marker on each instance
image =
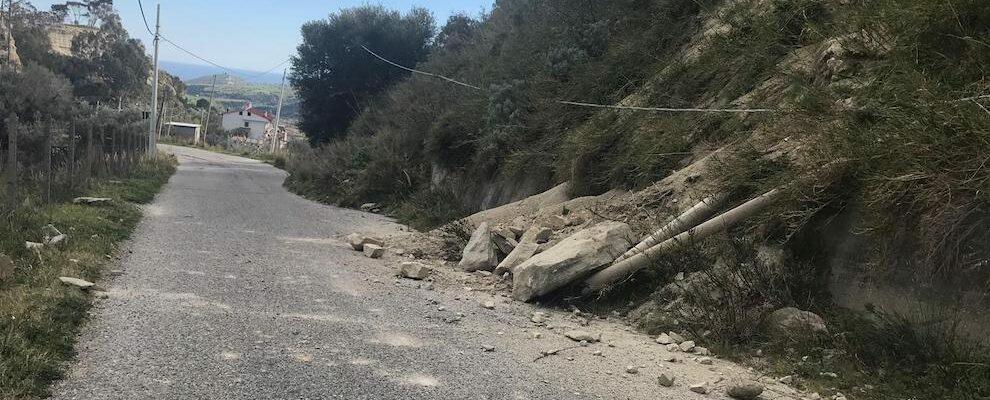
(233, 288)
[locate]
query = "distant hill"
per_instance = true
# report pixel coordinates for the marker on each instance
(223, 79)
(188, 72)
(232, 92)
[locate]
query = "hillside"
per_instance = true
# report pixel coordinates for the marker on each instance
(232, 92)
(863, 121)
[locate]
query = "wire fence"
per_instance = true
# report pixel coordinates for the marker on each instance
(52, 161)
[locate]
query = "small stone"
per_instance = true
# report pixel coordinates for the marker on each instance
(583, 343)
(673, 347)
(92, 201)
(57, 240)
(745, 391)
(79, 283)
(665, 380)
(578, 335)
(489, 304)
(832, 375)
(787, 380)
(373, 251)
(356, 240)
(487, 348)
(702, 351)
(34, 246)
(664, 339)
(368, 207)
(414, 270)
(705, 361)
(670, 358)
(700, 388)
(687, 346)
(538, 318)
(101, 294)
(597, 353)
(675, 337)
(632, 369)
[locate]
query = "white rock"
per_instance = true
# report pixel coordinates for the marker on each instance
(536, 234)
(356, 240)
(489, 304)
(369, 206)
(664, 339)
(414, 270)
(632, 369)
(686, 346)
(571, 259)
(579, 335)
(700, 388)
(79, 283)
(479, 254)
(538, 318)
(675, 337)
(705, 361)
(791, 322)
(519, 254)
(92, 201)
(34, 246)
(673, 347)
(373, 251)
(57, 240)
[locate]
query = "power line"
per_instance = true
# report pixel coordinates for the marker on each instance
(145, 19)
(421, 72)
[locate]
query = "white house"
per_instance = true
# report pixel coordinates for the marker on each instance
(257, 122)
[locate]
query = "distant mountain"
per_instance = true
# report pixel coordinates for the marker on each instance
(188, 72)
(222, 80)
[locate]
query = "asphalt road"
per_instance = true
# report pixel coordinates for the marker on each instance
(234, 288)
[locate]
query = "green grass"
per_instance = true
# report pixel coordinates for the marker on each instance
(39, 317)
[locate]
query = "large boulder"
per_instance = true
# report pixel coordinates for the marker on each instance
(480, 253)
(792, 323)
(522, 252)
(573, 258)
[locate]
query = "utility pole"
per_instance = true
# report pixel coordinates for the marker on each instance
(9, 21)
(209, 109)
(278, 114)
(153, 109)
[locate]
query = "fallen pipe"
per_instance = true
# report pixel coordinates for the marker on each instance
(695, 215)
(620, 270)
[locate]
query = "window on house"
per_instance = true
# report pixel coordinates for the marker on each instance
(249, 113)
(247, 124)
(241, 113)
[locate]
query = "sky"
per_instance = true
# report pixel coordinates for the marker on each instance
(253, 35)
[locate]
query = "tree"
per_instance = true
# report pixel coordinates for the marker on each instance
(107, 63)
(335, 77)
(202, 104)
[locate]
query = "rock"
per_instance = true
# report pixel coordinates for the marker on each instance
(92, 201)
(787, 380)
(745, 391)
(538, 318)
(487, 348)
(536, 234)
(517, 229)
(556, 222)
(414, 270)
(356, 240)
(367, 207)
(793, 323)
(705, 361)
(700, 388)
(670, 358)
(34, 246)
(479, 254)
(702, 351)
(377, 241)
(665, 380)
(50, 231)
(664, 339)
(79, 283)
(675, 337)
(575, 220)
(7, 268)
(57, 240)
(578, 335)
(632, 369)
(686, 346)
(373, 251)
(573, 258)
(489, 304)
(503, 243)
(99, 294)
(673, 347)
(521, 253)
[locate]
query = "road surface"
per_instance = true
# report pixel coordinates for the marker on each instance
(233, 288)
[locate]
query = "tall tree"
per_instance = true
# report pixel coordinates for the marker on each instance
(334, 77)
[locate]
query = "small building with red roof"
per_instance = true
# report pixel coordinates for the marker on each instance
(257, 123)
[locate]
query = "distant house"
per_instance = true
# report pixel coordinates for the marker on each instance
(258, 123)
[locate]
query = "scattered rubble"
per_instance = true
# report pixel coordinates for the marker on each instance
(579, 335)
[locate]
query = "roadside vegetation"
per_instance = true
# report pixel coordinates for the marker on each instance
(68, 129)
(890, 96)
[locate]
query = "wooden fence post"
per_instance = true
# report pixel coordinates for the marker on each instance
(13, 126)
(50, 133)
